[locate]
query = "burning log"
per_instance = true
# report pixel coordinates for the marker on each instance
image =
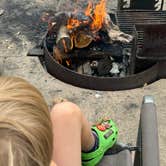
(79, 29)
(57, 54)
(67, 39)
(64, 41)
(82, 40)
(108, 50)
(56, 21)
(58, 32)
(64, 44)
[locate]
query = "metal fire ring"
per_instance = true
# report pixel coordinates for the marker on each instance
(98, 83)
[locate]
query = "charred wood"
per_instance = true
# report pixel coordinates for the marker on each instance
(81, 39)
(64, 41)
(114, 32)
(58, 55)
(104, 66)
(56, 21)
(93, 52)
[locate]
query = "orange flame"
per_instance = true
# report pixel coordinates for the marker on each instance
(89, 9)
(73, 23)
(97, 14)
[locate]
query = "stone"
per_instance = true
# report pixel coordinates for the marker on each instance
(2, 12)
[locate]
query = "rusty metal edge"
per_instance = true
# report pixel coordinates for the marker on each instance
(98, 83)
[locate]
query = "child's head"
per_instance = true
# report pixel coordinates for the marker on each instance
(25, 125)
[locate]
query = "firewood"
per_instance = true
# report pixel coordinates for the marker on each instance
(81, 55)
(81, 39)
(58, 20)
(64, 41)
(114, 32)
(58, 55)
(65, 44)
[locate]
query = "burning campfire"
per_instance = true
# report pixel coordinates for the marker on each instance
(87, 49)
(89, 42)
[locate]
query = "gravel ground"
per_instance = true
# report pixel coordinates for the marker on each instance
(21, 28)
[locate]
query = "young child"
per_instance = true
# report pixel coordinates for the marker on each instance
(30, 135)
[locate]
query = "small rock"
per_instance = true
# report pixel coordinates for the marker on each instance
(80, 69)
(87, 68)
(94, 64)
(97, 96)
(10, 45)
(1, 12)
(115, 69)
(122, 74)
(18, 33)
(146, 84)
(29, 13)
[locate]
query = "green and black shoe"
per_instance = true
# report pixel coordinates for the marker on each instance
(107, 133)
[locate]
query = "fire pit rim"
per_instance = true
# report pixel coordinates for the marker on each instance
(98, 83)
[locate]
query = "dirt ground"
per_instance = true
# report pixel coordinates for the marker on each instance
(21, 28)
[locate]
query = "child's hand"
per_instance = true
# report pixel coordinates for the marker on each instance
(53, 163)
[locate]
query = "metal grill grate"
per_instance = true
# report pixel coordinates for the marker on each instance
(128, 21)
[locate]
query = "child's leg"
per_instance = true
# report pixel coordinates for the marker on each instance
(72, 133)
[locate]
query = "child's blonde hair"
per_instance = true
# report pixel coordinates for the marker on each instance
(25, 125)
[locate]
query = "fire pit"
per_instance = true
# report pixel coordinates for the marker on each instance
(105, 57)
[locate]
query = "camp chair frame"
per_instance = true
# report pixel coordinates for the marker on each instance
(147, 138)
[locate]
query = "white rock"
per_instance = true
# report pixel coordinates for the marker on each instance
(1, 12)
(115, 68)
(97, 96)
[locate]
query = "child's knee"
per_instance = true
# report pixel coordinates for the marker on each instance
(65, 110)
